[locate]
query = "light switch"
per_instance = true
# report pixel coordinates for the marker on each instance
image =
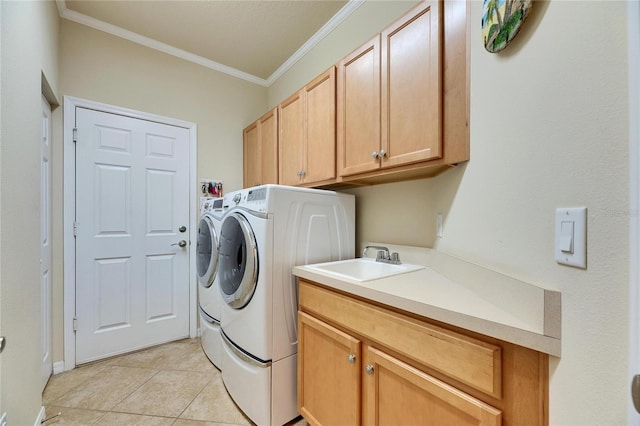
(566, 236)
(571, 237)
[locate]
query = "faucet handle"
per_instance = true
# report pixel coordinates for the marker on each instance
(395, 258)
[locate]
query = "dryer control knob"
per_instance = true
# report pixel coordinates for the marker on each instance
(237, 198)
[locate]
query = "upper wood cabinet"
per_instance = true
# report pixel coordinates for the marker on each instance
(261, 150)
(307, 147)
(402, 101)
(396, 108)
(252, 152)
(358, 109)
(411, 92)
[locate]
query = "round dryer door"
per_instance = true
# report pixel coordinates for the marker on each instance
(238, 262)
(206, 252)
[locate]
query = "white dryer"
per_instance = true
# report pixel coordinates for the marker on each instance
(209, 297)
(266, 231)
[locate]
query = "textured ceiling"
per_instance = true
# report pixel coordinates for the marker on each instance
(255, 37)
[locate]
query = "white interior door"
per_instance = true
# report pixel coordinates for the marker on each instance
(132, 219)
(45, 242)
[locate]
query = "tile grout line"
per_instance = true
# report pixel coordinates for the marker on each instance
(137, 387)
(194, 398)
(103, 367)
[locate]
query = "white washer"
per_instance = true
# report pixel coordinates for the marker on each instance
(266, 231)
(209, 297)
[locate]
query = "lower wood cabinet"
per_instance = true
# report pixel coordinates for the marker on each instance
(361, 363)
(328, 374)
(396, 393)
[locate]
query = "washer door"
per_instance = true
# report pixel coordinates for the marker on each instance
(238, 262)
(206, 251)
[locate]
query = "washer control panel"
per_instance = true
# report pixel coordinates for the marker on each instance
(257, 194)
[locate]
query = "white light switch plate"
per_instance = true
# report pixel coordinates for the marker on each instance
(571, 237)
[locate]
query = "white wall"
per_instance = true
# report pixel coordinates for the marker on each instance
(104, 68)
(29, 37)
(549, 129)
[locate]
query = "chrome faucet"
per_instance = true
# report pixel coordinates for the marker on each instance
(383, 255)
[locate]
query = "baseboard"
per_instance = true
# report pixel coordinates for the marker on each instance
(41, 417)
(58, 367)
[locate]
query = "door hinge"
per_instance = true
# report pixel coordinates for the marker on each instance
(75, 324)
(75, 229)
(75, 134)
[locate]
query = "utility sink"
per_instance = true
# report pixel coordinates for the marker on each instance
(363, 269)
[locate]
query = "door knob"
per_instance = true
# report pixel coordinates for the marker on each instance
(182, 228)
(369, 369)
(374, 154)
(181, 243)
(382, 153)
(635, 392)
(351, 358)
(3, 343)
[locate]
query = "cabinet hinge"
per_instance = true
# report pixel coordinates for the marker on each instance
(75, 324)
(75, 229)
(75, 134)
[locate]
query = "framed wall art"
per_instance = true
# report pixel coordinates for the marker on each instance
(501, 21)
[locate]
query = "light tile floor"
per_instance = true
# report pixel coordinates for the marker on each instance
(170, 384)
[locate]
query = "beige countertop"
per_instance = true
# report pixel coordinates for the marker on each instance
(462, 294)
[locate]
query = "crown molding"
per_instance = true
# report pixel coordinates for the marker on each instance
(154, 44)
(326, 29)
(99, 25)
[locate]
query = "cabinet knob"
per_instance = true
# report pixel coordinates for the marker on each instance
(374, 154)
(369, 369)
(382, 153)
(351, 358)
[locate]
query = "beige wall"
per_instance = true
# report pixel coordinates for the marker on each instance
(363, 24)
(100, 67)
(29, 44)
(549, 129)
(104, 68)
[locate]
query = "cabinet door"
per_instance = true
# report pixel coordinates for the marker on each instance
(320, 152)
(329, 369)
(358, 109)
(269, 146)
(411, 87)
(396, 393)
(291, 139)
(252, 153)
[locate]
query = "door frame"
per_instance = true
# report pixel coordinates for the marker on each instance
(47, 304)
(633, 35)
(69, 199)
